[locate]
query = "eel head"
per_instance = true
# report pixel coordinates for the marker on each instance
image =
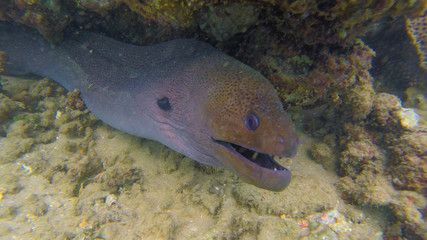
(247, 126)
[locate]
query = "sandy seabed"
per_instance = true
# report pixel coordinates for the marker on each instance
(66, 175)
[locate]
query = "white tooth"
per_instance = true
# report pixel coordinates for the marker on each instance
(255, 155)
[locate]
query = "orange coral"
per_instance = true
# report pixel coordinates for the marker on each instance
(416, 28)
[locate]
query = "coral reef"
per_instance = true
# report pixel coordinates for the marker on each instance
(367, 189)
(385, 107)
(417, 30)
(223, 22)
(389, 114)
(311, 22)
(359, 100)
(100, 7)
(177, 13)
(359, 156)
(75, 101)
(8, 106)
(359, 153)
(409, 166)
(371, 176)
(322, 153)
(316, 22)
(371, 189)
(340, 79)
(48, 17)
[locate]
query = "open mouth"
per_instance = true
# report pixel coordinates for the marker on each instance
(261, 159)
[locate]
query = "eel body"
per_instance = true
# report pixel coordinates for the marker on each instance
(182, 93)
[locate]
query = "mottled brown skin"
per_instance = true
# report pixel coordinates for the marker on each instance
(182, 93)
(244, 91)
(228, 104)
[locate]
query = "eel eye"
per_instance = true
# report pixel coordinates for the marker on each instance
(252, 122)
(164, 104)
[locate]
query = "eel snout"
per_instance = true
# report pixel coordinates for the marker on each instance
(259, 167)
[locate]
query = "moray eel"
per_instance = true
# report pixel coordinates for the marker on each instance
(182, 93)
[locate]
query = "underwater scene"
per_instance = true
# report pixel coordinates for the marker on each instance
(215, 119)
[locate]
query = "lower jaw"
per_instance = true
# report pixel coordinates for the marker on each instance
(251, 172)
(265, 178)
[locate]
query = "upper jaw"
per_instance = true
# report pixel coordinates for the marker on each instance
(257, 168)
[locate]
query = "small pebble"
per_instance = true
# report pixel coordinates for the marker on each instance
(110, 200)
